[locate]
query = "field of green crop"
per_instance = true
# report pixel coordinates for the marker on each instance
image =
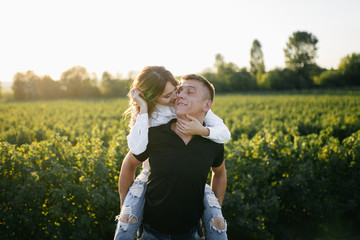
(293, 166)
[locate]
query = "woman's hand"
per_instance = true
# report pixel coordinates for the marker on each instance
(138, 97)
(191, 127)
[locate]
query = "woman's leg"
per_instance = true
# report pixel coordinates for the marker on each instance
(213, 220)
(131, 213)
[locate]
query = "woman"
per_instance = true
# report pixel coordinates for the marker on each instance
(152, 98)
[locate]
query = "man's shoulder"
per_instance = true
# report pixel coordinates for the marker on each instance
(211, 144)
(161, 127)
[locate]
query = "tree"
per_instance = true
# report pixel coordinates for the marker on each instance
(257, 66)
(72, 79)
(349, 67)
(242, 80)
(224, 73)
(300, 54)
(89, 89)
(19, 86)
(228, 77)
(219, 63)
(329, 78)
(29, 86)
(283, 79)
(301, 50)
(26, 86)
(113, 87)
(106, 76)
(50, 89)
(107, 85)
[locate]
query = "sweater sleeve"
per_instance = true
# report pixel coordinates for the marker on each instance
(219, 132)
(138, 137)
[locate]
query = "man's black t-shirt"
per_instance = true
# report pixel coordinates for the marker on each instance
(175, 189)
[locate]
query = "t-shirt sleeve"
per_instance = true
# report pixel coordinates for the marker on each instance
(142, 156)
(220, 157)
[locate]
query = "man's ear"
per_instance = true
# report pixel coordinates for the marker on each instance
(207, 105)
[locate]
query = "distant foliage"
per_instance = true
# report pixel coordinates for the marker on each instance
(75, 82)
(301, 50)
(229, 78)
(347, 74)
(112, 87)
(330, 78)
(292, 165)
(257, 66)
(349, 68)
(301, 72)
(280, 79)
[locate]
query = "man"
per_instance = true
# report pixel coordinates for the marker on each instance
(180, 164)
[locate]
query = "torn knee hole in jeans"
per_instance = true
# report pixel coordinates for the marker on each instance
(212, 200)
(143, 176)
(126, 217)
(218, 223)
(136, 189)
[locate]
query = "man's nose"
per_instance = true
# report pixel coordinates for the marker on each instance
(180, 94)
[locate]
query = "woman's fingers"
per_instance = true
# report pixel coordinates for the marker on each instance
(137, 97)
(190, 117)
(180, 127)
(135, 93)
(179, 120)
(183, 124)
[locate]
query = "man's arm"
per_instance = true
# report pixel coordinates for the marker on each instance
(127, 175)
(219, 181)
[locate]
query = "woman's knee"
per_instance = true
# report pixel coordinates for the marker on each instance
(218, 223)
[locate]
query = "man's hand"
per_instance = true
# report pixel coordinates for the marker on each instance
(138, 97)
(191, 127)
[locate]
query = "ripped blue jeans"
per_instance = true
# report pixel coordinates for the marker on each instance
(131, 213)
(213, 220)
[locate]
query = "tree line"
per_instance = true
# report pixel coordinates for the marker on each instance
(76, 82)
(300, 72)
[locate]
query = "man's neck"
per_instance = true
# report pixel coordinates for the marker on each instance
(185, 137)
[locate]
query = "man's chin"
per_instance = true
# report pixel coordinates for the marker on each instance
(179, 112)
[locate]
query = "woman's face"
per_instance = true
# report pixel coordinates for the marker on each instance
(168, 96)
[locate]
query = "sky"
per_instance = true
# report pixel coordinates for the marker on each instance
(122, 36)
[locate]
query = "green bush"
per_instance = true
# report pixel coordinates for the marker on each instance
(54, 190)
(293, 187)
(330, 78)
(292, 166)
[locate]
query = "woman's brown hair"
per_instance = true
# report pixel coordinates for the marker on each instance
(151, 81)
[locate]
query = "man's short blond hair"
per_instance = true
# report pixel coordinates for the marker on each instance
(207, 84)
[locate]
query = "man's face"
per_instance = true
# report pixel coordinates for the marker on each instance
(192, 99)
